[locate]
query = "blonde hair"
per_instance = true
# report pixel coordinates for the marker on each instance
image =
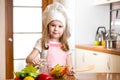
(55, 11)
(63, 39)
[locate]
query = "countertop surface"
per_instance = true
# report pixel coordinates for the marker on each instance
(66, 78)
(91, 76)
(99, 49)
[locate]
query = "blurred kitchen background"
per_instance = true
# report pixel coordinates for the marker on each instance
(21, 27)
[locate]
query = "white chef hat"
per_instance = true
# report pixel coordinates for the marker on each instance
(55, 11)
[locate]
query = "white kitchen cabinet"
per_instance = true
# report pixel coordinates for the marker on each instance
(102, 62)
(104, 2)
(114, 63)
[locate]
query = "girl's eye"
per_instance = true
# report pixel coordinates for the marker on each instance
(52, 25)
(60, 26)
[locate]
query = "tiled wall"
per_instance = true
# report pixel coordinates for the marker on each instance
(114, 8)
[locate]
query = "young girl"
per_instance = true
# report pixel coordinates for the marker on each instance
(53, 47)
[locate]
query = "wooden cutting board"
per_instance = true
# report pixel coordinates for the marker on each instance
(68, 77)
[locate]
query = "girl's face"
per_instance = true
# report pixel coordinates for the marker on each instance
(56, 30)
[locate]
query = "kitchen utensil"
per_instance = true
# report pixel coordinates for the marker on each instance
(100, 34)
(110, 41)
(116, 27)
(87, 68)
(115, 24)
(118, 41)
(83, 69)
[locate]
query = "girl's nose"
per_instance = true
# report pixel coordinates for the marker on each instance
(56, 27)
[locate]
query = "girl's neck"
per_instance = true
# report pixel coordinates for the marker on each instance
(54, 40)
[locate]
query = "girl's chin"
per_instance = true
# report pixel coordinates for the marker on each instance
(56, 36)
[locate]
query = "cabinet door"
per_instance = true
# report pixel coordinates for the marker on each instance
(100, 61)
(85, 58)
(104, 2)
(114, 62)
(79, 58)
(103, 62)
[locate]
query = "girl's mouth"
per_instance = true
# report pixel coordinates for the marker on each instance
(55, 33)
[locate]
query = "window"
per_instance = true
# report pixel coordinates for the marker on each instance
(27, 29)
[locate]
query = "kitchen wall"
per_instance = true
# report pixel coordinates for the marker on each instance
(2, 39)
(88, 18)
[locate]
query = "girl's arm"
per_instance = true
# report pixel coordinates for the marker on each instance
(33, 57)
(70, 65)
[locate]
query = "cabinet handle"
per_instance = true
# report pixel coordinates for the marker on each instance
(108, 63)
(83, 58)
(94, 53)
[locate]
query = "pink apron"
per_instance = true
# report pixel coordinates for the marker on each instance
(55, 55)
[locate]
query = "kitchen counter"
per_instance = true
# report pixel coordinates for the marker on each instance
(99, 49)
(66, 78)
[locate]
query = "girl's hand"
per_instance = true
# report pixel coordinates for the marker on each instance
(71, 71)
(37, 61)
